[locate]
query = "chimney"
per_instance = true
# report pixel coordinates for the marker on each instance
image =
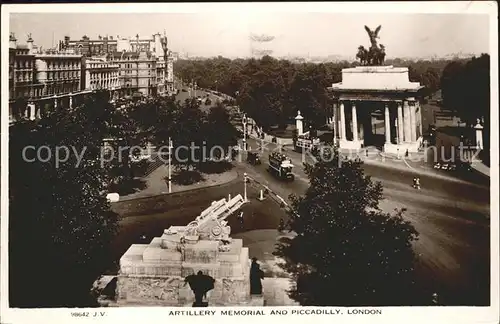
(30, 44)
(12, 41)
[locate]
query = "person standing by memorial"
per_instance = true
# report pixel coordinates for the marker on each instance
(256, 275)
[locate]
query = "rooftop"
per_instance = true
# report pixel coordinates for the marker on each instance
(376, 78)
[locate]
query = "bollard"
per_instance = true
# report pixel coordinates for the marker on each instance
(261, 196)
(229, 197)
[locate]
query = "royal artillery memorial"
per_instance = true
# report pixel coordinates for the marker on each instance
(153, 274)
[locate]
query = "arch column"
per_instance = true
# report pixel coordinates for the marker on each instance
(334, 121)
(419, 116)
(413, 122)
(342, 121)
(355, 135)
(387, 124)
(400, 123)
(407, 123)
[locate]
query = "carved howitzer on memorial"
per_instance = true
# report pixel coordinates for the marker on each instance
(211, 223)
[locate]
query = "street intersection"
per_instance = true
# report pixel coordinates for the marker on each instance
(451, 215)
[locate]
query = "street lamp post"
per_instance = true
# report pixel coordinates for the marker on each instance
(170, 146)
(244, 120)
(245, 187)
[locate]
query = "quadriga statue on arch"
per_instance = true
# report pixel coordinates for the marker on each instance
(375, 55)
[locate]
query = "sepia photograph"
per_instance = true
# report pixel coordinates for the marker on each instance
(255, 159)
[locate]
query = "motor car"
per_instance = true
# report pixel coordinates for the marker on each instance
(140, 157)
(253, 158)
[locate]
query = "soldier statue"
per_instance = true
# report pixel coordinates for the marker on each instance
(200, 284)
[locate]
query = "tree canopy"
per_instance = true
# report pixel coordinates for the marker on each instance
(466, 91)
(346, 251)
(60, 222)
(272, 90)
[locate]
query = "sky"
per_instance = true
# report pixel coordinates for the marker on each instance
(214, 33)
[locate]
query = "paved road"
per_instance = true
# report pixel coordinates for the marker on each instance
(186, 95)
(452, 218)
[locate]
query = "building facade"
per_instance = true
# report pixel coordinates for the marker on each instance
(87, 47)
(145, 64)
(108, 45)
(99, 74)
(22, 77)
(38, 79)
(137, 72)
(57, 77)
(59, 73)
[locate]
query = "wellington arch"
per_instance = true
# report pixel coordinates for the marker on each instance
(374, 87)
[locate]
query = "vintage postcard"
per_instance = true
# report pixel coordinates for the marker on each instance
(250, 161)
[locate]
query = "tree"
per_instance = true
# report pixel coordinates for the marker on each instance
(309, 95)
(347, 251)
(187, 135)
(219, 131)
(60, 222)
(271, 91)
(466, 91)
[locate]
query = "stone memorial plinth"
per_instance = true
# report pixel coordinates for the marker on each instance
(153, 274)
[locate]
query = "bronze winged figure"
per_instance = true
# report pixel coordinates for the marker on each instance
(373, 35)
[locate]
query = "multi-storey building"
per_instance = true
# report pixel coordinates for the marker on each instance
(59, 73)
(107, 45)
(160, 77)
(88, 47)
(38, 79)
(146, 65)
(22, 85)
(137, 72)
(100, 74)
(22, 77)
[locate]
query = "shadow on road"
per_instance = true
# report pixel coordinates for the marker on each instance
(127, 186)
(186, 177)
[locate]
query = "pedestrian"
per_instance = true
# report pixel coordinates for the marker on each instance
(240, 218)
(256, 276)
(281, 226)
(435, 299)
(407, 153)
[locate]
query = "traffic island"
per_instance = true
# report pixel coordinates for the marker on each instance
(156, 183)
